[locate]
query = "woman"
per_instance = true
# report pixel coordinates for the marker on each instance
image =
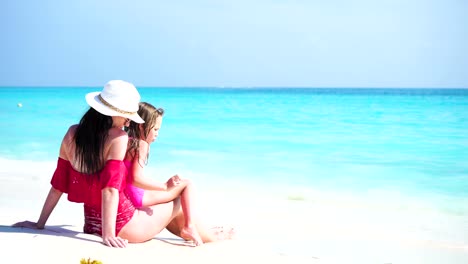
(90, 170)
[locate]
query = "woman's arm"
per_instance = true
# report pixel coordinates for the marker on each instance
(51, 201)
(54, 195)
(110, 202)
(110, 196)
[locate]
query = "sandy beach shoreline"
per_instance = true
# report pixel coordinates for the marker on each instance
(274, 229)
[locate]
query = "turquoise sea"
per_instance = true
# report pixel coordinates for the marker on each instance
(398, 145)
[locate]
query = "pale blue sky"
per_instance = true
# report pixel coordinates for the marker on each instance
(242, 43)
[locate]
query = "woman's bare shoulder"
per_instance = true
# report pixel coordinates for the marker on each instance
(71, 130)
(70, 134)
(116, 132)
(67, 146)
(118, 140)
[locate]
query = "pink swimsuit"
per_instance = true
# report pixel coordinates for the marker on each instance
(83, 188)
(134, 193)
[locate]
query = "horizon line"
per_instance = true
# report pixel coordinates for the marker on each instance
(232, 87)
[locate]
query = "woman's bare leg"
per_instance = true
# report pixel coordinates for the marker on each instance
(150, 221)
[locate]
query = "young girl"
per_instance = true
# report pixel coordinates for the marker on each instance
(145, 192)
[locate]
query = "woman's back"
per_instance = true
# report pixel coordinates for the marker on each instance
(114, 147)
(86, 188)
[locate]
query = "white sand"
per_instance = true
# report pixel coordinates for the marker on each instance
(306, 228)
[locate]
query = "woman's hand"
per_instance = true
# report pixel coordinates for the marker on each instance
(115, 242)
(28, 224)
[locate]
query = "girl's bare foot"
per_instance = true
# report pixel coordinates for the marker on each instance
(223, 233)
(190, 233)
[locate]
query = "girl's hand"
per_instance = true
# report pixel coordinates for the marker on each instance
(28, 224)
(173, 181)
(115, 242)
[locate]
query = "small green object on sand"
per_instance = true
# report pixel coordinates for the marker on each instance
(89, 261)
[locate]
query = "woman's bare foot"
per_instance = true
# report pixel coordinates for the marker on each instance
(223, 233)
(190, 233)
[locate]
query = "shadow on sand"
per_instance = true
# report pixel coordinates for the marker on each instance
(65, 231)
(56, 230)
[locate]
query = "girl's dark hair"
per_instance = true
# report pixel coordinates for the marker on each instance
(90, 136)
(149, 114)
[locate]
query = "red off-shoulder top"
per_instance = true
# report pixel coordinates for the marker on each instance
(85, 188)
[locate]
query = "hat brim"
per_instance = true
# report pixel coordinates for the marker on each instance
(93, 100)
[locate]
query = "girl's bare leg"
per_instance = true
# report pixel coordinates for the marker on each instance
(206, 234)
(157, 197)
(185, 191)
(189, 232)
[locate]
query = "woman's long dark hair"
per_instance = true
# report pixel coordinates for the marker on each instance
(149, 114)
(90, 137)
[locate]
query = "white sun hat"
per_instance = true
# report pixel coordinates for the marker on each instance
(118, 98)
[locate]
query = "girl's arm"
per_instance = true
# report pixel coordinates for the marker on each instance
(138, 163)
(140, 181)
